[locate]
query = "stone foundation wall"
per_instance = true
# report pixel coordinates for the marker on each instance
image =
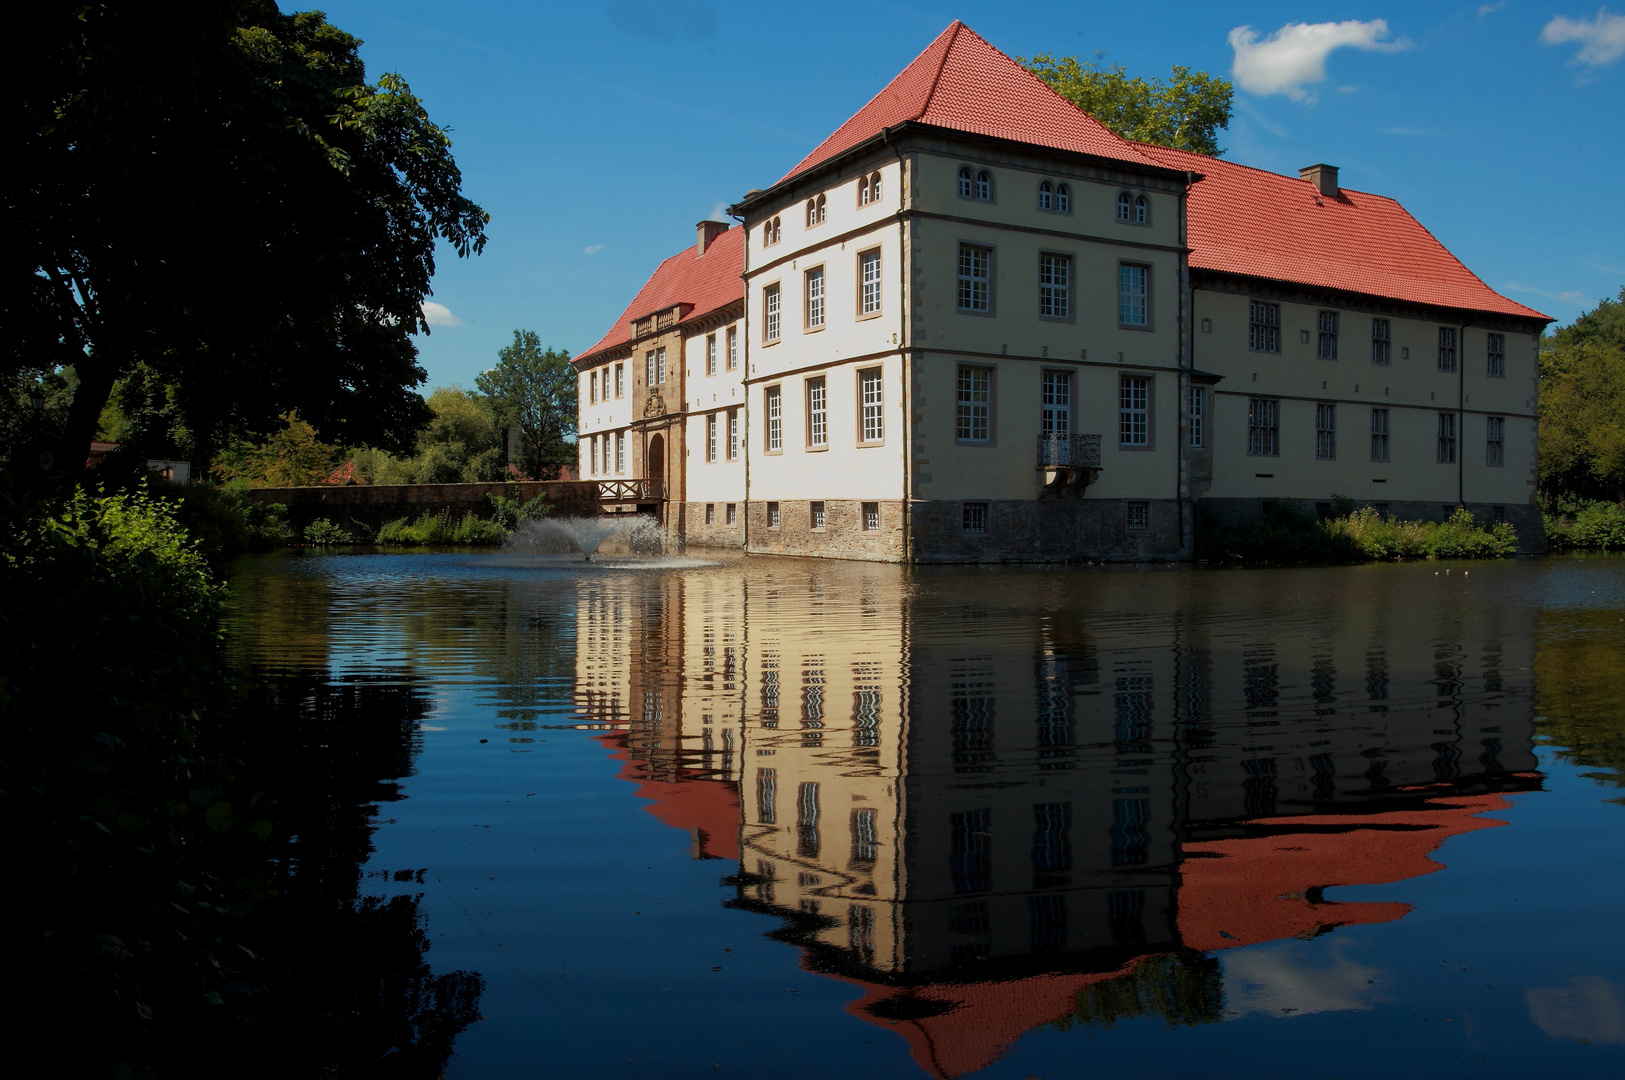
(842, 537)
(694, 532)
(1048, 530)
(367, 507)
(1240, 513)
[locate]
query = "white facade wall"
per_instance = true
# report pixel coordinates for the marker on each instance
(609, 417)
(722, 479)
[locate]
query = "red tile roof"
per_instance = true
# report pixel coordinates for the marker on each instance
(1262, 224)
(709, 282)
(962, 82)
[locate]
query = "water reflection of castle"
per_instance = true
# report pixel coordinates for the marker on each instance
(996, 801)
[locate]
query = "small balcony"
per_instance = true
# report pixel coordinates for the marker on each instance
(1069, 463)
(639, 490)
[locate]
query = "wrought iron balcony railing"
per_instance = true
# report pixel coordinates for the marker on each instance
(638, 490)
(1069, 451)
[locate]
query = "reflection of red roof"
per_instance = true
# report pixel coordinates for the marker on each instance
(963, 83)
(982, 1020)
(708, 282)
(1255, 889)
(687, 803)
(1262, 224)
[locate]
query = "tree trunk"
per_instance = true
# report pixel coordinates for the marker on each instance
(96, 376)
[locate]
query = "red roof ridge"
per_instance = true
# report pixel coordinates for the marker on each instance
(709, 281)
(936, 80)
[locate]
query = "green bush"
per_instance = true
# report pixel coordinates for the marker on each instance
(511, 513)
(441, 529)
(322, 532)
(1595, 525)
(1359, 536)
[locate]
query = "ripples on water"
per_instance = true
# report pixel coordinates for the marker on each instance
(816, 818)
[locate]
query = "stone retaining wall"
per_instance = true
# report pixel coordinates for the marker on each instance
(1239, 513)
(1048, 530)
(367, 507)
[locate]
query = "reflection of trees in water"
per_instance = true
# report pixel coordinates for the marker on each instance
(355, 995)
(1579, 695)
(1184, 988)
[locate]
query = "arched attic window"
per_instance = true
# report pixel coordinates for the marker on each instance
(1046, 195)
(1125, 206)
(874, 188)
(770, 232)
(984, 185)
(967, 185)
(812, 212)
(1142, 210)
(1063, 198)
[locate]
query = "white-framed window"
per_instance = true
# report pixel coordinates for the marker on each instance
(710, 354)
(733, 513)
(975, 185)
(1134, 410)
(1046, 195)
(1198, 417)
(733, 434)
(1133, 294)
(869, 274)
(1495, 358)
(817, 412)
(1326, 335)
(1447, 348)
(660, 365)
(1137, 515)
(1263, 326)
(1379, 434)
(1495, 441)
(1125, 206)
(592, 388)
(1447, 438)
(817, 209)
(770, 313)
(815, 297)
(649, 368)
(1063, 199)
(772, 232)
(711, 437)
(773, 520)
(974, 404)
(973, 517)
(1325, 431)
(775, 418)
(1263, 427)
(871, 517)
(733, 347)
(710, 513)
(1381, 347)
(1054, 285)
(1134, 209)
(620, 452)
(594, 451)
(871, 396)
(1057, 403)
(975, 278)
(868, 189)
(815, 512)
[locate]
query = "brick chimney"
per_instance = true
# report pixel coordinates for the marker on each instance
(1324, 177)
(710, 230)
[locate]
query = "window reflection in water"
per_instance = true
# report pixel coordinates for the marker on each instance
(1030, 792)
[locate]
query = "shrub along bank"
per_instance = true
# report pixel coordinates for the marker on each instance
(161, 922)
(1580, 525)
(1360, 535)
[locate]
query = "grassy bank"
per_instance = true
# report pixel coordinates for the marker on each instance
(1354, 536)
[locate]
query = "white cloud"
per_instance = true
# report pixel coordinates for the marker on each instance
(1573, 296)
(1603, 37)
(439, 315)
(719, 211)
(1489, 9)
(1295, 55)
(1287, 980)
(592, 249)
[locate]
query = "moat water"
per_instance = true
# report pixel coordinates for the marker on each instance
(722, 816)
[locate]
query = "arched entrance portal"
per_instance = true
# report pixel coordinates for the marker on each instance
(655, 461)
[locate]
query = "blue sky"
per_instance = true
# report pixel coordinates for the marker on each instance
(597, 133)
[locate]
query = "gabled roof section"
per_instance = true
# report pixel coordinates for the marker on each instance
(709, 282)
(1262, 224)
(963, 83)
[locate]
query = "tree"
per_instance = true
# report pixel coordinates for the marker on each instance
(1184, 113)
(463, 444)
(536, 391)
(292, 457)
(213, 190)
(1582, 407)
